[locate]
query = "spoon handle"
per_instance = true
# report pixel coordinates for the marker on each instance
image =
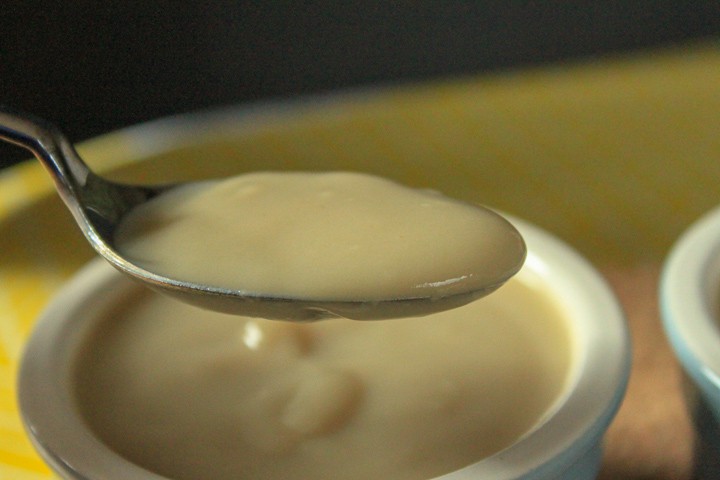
(51, 148)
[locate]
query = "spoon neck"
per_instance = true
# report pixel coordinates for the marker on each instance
(45, 141)
(50, 147)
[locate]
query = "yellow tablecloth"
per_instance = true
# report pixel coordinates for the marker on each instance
(616, 156)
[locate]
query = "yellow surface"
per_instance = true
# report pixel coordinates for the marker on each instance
(617, 157)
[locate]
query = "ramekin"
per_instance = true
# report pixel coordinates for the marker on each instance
(690, 309)
(566, 444)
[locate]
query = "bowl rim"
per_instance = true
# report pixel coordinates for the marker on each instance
(596, 383)
(689, 283)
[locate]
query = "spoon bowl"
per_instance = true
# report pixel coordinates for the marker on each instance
(98, 205)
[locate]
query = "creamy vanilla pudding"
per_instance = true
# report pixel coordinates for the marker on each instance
(193, 394)
(321, 235)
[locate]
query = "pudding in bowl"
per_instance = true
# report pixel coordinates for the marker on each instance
(473, 393)
(403, 399)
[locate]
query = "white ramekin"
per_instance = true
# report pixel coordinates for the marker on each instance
(567, 444)
(690, 309)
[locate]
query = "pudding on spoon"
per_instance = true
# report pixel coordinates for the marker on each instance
(348, 244)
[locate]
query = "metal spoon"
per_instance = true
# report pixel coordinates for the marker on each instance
(98, 206)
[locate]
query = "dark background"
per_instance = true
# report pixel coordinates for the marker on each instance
(92, 67)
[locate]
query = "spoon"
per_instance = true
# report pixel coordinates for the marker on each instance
(98, 205)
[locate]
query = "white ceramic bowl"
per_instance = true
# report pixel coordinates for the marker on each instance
(566, 445)
(690, 308)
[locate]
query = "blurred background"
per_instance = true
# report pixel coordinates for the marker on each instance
(92, 67)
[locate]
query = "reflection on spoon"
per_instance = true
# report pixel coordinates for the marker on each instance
(294, 246)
